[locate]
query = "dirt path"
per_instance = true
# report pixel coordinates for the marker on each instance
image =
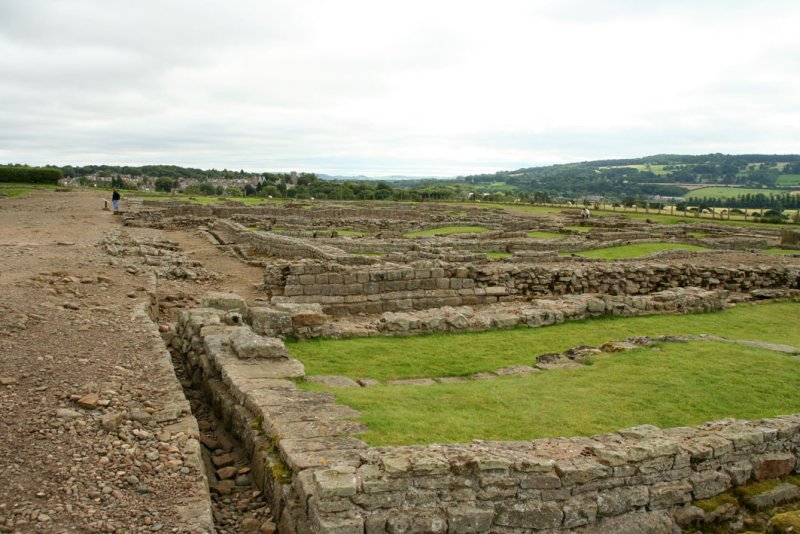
(93, 426)
(234, 275)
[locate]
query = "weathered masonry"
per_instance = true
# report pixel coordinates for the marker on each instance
(343, 289)
(323, 479)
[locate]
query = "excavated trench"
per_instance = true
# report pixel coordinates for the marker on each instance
(238, 504)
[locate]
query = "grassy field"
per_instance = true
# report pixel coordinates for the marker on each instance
(448, 230)
(655, 169)
(780, 251)
(789, 179)
(12, 192)
(635, 250)
(434, 355)
(705, 219)
(14, 189)
(544, 235)
(680, 384)
(498, 255)
(350, 233)
(672, 385)
(729, 192)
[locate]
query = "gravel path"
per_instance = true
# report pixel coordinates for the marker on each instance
(95, 433)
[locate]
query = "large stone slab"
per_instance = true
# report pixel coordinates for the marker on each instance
(249, 345)
(224, 301)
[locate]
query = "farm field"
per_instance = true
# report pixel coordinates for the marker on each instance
(655, 169)
(789, 179)
(729, 192)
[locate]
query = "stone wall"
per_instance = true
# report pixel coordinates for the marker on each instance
(280, 246)
(321, 478)
(539, 313)
(423, 285)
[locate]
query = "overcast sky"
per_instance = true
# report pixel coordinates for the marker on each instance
(434, 87)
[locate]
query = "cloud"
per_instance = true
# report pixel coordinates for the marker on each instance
(388, 88)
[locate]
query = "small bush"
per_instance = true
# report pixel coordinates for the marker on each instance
(29, 175)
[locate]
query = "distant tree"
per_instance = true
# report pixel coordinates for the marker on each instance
(165, 184)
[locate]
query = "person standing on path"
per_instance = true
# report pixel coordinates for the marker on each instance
(115, 198)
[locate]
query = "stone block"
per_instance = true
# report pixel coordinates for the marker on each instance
(249, 345)
(379, 500)
(780, 494)
(467, 519)
(270, 321)
(709, 483)
(338, 482)
(739, 472)
(773, 465)
(669, 494)
(618, 501)
(333, 524)
(543, 481)
(421, 521)
(580, 471)
(531, 514)
(333, 381)
(650, 522)
(224, 301)
(580, 511)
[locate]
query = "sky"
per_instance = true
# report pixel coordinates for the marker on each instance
(378, 88)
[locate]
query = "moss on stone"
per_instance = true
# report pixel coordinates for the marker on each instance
(784, 523)
(757, 488)
(709, 505)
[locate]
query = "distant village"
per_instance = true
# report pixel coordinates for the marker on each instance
(150, 183)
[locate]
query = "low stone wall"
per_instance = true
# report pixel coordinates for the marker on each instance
(280, 246)
(790, 238)
(323, 479)
(423, 285)
(541, 312)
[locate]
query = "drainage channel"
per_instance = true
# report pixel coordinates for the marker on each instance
(238, 505)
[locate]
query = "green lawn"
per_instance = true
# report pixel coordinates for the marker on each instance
(736, 220)
(578, 228)
(728, 192)
(635, 250)
(789, 179)
(780, 251)
(675, 384)
(448, 230)
(655, 169)
(11, 192)
(544, 235)
(494, 256)
(435, 355)
(350, 233)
